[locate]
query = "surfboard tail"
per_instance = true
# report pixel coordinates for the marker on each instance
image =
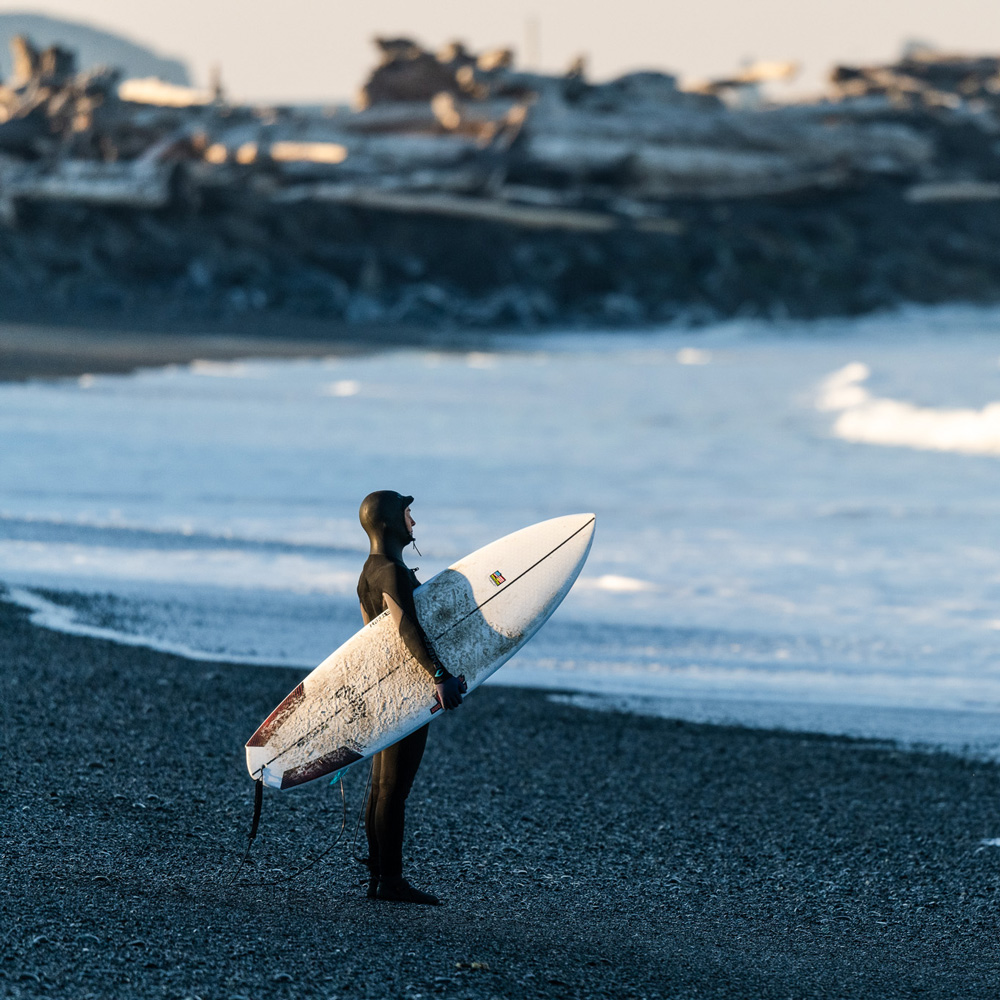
(275, 774)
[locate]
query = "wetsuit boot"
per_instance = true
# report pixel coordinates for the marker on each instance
(400, 891)
(372, 892)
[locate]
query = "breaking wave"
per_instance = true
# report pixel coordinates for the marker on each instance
(867, 419)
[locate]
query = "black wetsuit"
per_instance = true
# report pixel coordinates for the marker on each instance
(395, 767)
(387, 583)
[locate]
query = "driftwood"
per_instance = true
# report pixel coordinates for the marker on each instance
(715, 153)
(750, 76)
(482, 209)
(925, 78)
(133, 185)
(700, 171)
(409, 73)
(472, 127)
(823, 135)
(483, 120)
(164, 95)
(395, 117)
(465, 180)
(53, 66)
(526, 198)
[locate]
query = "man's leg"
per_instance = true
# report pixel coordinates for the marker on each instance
(397, 770)
(371, 809)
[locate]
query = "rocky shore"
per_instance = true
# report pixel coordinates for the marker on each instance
(579, 854)
(465, 193)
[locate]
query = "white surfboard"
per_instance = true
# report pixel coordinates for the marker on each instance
(371, 692)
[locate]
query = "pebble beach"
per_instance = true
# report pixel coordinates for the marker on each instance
(578, 853)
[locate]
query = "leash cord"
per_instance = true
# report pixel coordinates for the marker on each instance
(295, 874)
(258, 802)
(361, 812)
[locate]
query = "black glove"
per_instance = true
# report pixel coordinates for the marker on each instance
(450, 690)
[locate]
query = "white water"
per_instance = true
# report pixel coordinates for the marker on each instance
(796, 526)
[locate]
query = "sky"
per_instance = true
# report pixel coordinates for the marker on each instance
(320, 50)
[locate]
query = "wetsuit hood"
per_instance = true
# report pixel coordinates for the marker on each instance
(381, 516)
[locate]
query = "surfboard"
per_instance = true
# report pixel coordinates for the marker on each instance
(371, 692)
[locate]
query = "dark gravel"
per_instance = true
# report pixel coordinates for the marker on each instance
(580, 854)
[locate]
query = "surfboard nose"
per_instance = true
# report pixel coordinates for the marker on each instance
(574, 532)
(573, 523)
(580, 525)
(588, 522)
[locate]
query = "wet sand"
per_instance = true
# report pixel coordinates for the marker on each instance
(579, 854)
(112, 346)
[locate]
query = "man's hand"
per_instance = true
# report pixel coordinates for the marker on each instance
(450, 691)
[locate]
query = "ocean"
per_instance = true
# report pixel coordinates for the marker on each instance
(797, 523)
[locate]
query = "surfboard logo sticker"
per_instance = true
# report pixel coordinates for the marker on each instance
(497, 578)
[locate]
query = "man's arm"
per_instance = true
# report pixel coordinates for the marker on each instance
(397, 595)
(413, 635)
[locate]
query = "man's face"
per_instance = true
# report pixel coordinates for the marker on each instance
(410, 523)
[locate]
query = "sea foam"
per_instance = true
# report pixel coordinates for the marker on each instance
(871, 420)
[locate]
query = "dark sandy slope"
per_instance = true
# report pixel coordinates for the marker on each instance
(580, 854)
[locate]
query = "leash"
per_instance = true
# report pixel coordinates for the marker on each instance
(258, 800)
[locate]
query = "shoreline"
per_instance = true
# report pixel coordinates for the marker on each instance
(579, 853)
(115, 346)
(51, 347)
(970, 733)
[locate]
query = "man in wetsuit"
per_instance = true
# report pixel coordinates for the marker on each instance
(387, 583)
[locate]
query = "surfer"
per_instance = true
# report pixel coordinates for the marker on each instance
(387, 583)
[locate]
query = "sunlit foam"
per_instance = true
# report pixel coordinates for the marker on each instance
(968, 732)
(842, 391)
(772, 683)
(220, 369)
(343, 387)
(479, 359)
(62, 564)
(693, 356)
(61, 619)
(869, 420)
(616, 584)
